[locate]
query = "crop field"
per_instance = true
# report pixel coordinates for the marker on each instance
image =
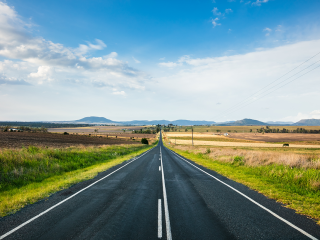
(24, 139)
(296, 140)
(239, 129)
(97, 129)
(238, 144)
(254, 137)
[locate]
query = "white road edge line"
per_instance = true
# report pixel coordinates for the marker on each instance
(250, 199)
(159, 219)
(165, 202)
(54, 206)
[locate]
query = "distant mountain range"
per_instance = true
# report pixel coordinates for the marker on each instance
(102, 120)
(181, 122)
(243, 122)
(307, 122)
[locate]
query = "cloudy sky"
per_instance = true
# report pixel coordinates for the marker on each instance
(213, 60)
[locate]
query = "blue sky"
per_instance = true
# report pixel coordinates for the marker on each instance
(125, 60)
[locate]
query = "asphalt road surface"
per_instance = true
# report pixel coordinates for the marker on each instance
(158, 195)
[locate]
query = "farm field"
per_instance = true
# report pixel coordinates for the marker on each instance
(239, 144)
(100, 129)
(297, 140)
(20, 139)
(239, 129)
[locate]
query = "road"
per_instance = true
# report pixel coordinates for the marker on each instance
(158, 195)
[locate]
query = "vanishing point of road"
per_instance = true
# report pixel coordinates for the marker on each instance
(158, 195)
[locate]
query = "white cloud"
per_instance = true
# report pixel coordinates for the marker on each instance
(111, 55)
(84, 49)
(43, 73)
(168, 64)
(119, 93)
(17, 42)
(11, 81)
(214, 22)
(258, 2)
(161, 59)
(268, 30)
(216, 11)
(279, 28)
(135, 60)
(232, 78)
(228, 10)
(312, 115)
(315, 113)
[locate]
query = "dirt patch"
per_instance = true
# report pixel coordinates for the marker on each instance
(277, 137)
(20, 139)
(100, 129)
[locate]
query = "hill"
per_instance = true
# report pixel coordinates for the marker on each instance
(94, 120)
(307, 122)
(244, 122)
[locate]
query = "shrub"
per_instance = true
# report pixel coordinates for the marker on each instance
(239, 160)
(144, 141)
(65, 133)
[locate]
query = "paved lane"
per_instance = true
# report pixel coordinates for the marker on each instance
(131, 204)
(203, 208)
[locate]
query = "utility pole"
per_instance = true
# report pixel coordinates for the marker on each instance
(192, 134)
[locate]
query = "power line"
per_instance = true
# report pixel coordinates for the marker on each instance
(257, 93)
(273, 90)
(276, 84)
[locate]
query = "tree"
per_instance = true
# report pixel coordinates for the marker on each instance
(186, 130)
(144, 141)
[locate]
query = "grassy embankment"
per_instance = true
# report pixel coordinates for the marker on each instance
(31, 174)
(292, 178)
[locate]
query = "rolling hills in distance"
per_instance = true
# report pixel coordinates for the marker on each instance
(181, 122)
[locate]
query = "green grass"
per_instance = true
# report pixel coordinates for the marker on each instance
(31, 174)
(298, 188)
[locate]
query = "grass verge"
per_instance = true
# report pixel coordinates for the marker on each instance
(297, 188)
(38, 176)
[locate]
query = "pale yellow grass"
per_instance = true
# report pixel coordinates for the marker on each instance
(237, 144)
(257, 158)
(199, 135)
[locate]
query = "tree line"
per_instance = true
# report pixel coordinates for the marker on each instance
(284, 130)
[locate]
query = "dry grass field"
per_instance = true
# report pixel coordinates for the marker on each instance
(238, 144)
(100, 129)
(296, 140)
(255, 158)
(239, 129)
